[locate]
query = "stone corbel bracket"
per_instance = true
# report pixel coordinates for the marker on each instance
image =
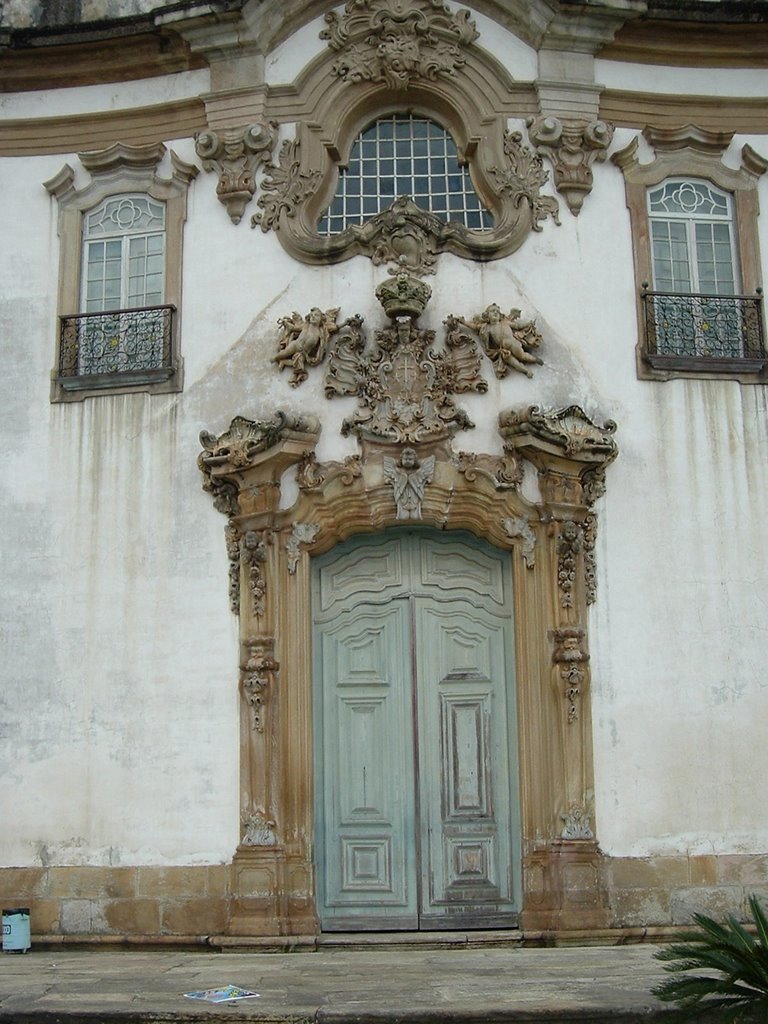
(572, 146)
(235, 156)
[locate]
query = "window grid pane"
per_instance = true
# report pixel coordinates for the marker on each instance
(691, 237)
(398, 156)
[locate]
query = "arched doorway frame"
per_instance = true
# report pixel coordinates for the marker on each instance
(552, 545)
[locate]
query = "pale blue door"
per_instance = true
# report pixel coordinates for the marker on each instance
(416, 757)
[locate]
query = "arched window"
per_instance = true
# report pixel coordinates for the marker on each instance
(402, 155)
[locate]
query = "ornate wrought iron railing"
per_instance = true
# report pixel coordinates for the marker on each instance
(129, 345)
(717, 331)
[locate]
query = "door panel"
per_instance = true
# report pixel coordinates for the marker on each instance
(416, 762)
(464, 764)
(368, 810)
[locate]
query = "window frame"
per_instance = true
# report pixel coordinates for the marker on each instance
(694, 153)
(119, 170)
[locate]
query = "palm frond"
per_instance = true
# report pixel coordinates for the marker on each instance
(734, 985)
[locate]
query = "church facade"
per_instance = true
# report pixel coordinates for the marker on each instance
(384, 545)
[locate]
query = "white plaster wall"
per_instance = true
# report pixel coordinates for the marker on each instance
(87, 99)
(118, 700)
(118, 709)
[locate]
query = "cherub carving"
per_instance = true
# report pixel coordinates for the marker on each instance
(303, 341)
(506, 339)
(409, 480)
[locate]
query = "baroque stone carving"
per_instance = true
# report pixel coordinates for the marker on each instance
(506, 339)
(243, 441)
(302, 533)
(236, 156)
(572, 147)
(569, 547)
(258, 830)
(258, 674)
(406, 236)
(505, 472)
(284, 188)
(516, 527)
(577, 824)
(397, 41)
(521, 180)
(304, 340)
(254, 554)
(568, 429)
(590, 568)
(232, 540)
(408, 479)
(403, 386)
(569, 655)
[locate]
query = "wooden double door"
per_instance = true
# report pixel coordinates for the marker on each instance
(416, 753)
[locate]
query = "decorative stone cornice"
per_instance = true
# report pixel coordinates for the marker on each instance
(396, 41)
(568, 431)
(572, 147)
(235, 156)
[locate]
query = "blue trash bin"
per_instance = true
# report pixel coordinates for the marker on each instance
(16, 930)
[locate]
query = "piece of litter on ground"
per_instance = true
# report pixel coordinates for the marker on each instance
(222, 995)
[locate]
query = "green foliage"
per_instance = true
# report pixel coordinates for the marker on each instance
(734, 986)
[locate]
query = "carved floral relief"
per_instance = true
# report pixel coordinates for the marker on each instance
(397, 41)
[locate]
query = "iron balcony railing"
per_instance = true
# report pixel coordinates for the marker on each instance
(129, 345)
(714, 332)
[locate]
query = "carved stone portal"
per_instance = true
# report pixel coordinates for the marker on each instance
(406, 470)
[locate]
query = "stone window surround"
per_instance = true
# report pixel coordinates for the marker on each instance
(116, 170)
(692, 152)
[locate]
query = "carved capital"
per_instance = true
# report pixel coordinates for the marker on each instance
(572, 147)
(570, 451)
(397, 41)
(235, 156)
(242, 466)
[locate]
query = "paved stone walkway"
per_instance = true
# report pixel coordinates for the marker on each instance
(414, 986)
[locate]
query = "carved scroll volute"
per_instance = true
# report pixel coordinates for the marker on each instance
(243, 466)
